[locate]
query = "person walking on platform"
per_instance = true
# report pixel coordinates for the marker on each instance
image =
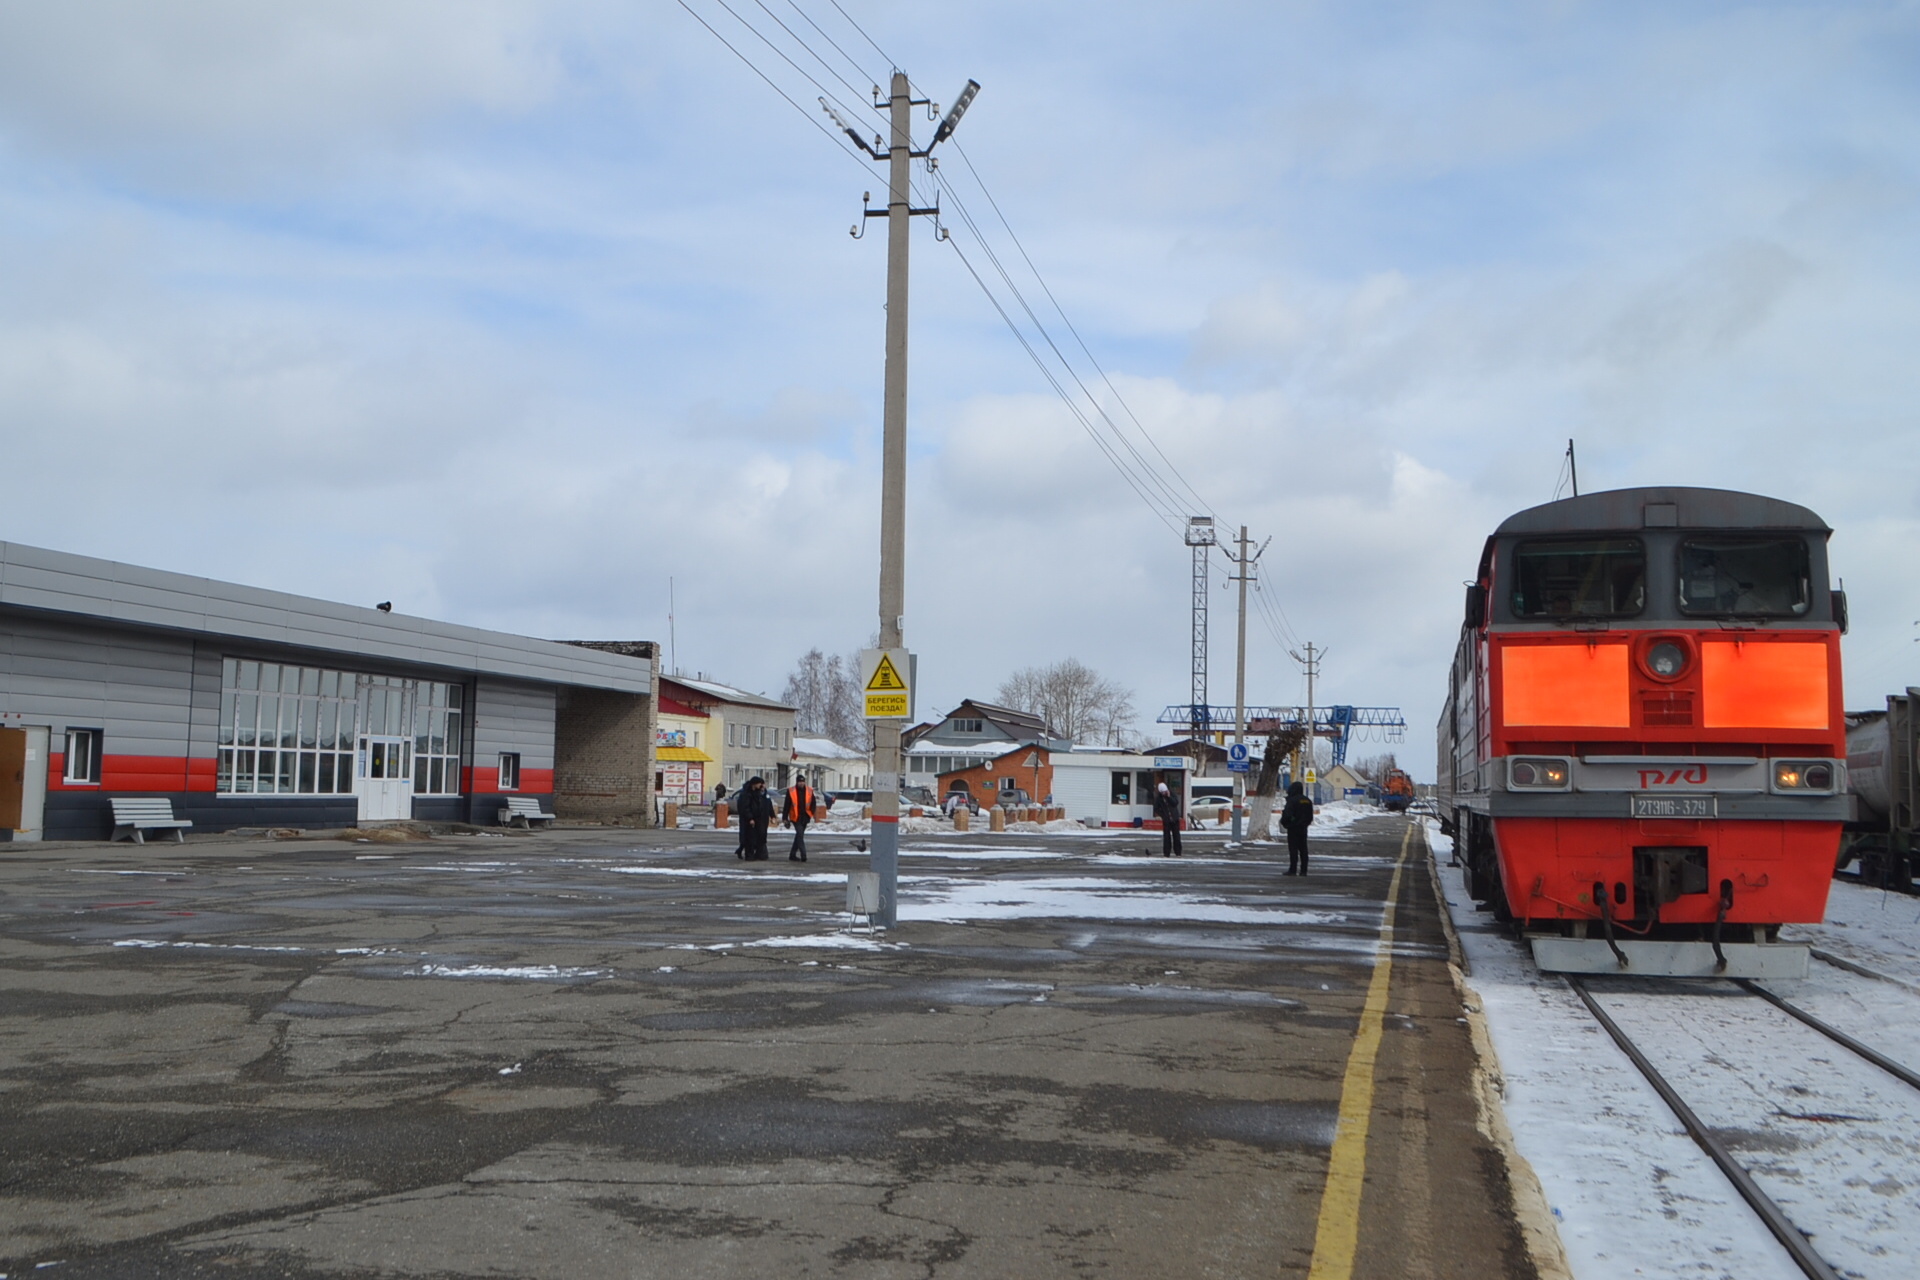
(797, 808)
(1296, 816)
(1166, 807)
(756, 812)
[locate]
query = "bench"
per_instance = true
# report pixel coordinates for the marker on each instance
(133, 818)
(523, 811)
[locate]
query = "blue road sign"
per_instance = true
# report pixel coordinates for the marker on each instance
(1237, 755)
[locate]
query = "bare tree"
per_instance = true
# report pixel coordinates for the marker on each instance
(1074, 701)
(1280, 745)
(1377, 768)
(824, 692)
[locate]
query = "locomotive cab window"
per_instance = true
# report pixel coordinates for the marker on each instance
(1745, 577)
(1579, 578)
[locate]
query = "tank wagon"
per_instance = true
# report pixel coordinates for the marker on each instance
(1642, 752)
(1883, 772)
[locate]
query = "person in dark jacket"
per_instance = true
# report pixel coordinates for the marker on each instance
(756, 813)
(797, 808)
(1166, 807)
(1296, 816)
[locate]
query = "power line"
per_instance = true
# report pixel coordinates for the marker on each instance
(851, 60)
(761, 36)
(1168, 503)
(804, 45)
(834, 137)
(863, 33)
(1087, 351)
(1174, 501)
(1073, 408)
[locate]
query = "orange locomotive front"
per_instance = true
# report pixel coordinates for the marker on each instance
(1643, 753)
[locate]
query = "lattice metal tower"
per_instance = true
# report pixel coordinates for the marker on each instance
(1200, 537)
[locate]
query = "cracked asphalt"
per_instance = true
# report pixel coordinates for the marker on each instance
(587, 1053)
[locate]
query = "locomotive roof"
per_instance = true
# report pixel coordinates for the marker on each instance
(1623, 509)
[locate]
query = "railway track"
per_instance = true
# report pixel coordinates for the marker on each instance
(1792, 1237)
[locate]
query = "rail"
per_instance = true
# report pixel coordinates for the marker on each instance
(1777, 1222)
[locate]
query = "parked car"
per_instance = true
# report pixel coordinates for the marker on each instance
(1013, 797)
(956, 799)
(922, 796)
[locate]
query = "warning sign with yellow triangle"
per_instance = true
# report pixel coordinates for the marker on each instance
(886, 683)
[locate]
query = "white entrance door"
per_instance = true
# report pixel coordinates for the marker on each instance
(383, 778)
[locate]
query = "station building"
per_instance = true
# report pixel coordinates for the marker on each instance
(255, 708)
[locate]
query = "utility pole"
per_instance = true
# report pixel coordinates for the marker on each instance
(1312, 663)
(885, 855)
(1244, 564)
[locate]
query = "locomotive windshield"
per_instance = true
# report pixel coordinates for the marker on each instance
(1579, 578)
(1745, 577)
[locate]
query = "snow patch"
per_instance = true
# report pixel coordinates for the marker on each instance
(537, 972)
(955, 901)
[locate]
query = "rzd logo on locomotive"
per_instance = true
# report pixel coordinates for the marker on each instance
(1693, 775)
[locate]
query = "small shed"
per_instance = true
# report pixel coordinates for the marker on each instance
(1114, 788)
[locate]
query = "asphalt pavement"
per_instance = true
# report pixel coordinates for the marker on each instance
(587, 1053)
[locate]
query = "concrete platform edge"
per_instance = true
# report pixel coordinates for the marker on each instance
(1535, 1218)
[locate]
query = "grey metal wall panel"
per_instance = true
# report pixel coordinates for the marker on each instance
(40, 579)
(203, 715)
(134, 686)
(513, 717)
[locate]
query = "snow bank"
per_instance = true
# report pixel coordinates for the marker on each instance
(1872, 927)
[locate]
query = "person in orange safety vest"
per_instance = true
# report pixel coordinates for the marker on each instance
(798, 809)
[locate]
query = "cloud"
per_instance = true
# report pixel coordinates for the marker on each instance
(221, 83)
(511, 313)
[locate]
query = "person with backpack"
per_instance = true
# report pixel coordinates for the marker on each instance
(1166, 807)
(797, 808)
(1296, 816)
(756, 812)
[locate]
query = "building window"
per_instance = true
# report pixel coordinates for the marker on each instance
(731, 735)
(759, 735)
(290, 730)
(83, 756)
(509, 770)
(969, 726)
(1122, 787)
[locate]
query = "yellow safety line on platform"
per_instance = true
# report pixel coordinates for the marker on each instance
(1338, 1232)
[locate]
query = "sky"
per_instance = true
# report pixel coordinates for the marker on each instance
(513, 313)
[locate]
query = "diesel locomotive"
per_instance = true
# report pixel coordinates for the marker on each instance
(1642, 757)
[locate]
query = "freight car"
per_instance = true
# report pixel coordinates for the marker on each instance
(1883, 772)
(1642, 753)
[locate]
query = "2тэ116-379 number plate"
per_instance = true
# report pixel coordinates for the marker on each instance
(1676, 807)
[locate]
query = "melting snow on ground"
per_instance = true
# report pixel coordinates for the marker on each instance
(841, 941)
(539, 972)
(957, 901)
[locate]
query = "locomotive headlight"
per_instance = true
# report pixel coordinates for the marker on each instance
(1667, 660)
(1538, 773)
(1820, 776)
